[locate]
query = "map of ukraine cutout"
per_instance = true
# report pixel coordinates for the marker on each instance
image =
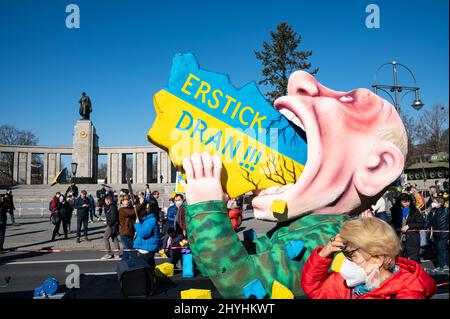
(201, 111)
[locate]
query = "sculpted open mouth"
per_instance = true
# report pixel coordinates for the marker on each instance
(303, 119)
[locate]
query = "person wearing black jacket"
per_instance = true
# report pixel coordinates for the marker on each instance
(101, 196)
(82, 205)
(62, 211)
(433, 195)
(3, 222)
(407, 221)
(438, 222)
(9, 204)
(112, 227)
(154, 198)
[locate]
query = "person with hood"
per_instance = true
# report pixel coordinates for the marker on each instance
(62, 212)
(370, 269)
(147, 232)
(408, 221)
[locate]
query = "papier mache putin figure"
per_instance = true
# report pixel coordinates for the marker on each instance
(356, 147)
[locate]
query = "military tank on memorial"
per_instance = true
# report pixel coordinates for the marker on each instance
(437, 167)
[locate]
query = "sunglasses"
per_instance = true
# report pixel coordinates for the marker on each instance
(348, 253)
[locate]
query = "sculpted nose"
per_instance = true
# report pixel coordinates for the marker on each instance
(302, 83)
(364, 95)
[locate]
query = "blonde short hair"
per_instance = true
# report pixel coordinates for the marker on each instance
(374, 237)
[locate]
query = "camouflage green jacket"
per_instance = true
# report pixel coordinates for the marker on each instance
(220, 255)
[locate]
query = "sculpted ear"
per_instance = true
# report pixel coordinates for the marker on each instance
(381, 168)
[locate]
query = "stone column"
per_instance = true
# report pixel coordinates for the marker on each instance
(119, 177)
(145, 167)
(115, 164)
(108, 168)
(135, 179)
(158, 171)
(51, 167)
(45, 179)
(140, 168)
(85, 141)
(58, 163)
(22, 168)
(165, 167)
(29, 168)
(16, 167)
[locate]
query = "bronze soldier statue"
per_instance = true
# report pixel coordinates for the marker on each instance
(85, 106)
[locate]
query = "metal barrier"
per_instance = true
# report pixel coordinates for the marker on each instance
(20, 208)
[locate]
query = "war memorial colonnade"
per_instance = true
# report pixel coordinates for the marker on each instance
(23, 164)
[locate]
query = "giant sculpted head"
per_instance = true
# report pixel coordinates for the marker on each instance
(356, 148)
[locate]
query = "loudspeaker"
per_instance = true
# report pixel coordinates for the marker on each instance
(136, 278)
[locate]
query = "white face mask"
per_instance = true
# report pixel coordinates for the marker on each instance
(434, 205)
(352, 273)
(178, 203)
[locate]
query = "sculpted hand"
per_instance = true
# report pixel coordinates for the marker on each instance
(367, 213)
(203, 178)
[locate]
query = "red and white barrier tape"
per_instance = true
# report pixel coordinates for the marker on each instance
(424, 230)
(74, 250)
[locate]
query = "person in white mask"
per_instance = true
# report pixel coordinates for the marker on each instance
(371, 268)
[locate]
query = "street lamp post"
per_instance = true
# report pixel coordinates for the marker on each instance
(417, 104)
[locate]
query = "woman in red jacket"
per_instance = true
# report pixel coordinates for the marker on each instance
(370, 269)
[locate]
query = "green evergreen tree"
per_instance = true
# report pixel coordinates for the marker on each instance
(280, 58)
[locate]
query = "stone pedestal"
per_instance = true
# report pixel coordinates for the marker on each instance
(85, 151)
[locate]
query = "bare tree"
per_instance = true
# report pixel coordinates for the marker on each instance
(411, 127)
(10, 135)
(431, 128)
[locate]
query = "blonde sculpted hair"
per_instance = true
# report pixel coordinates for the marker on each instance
(374, 237)
(395, 132)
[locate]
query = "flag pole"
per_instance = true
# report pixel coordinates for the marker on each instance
(130, 190)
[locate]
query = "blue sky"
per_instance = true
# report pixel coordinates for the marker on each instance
(122, 53)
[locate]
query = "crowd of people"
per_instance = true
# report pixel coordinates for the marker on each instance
(421, 222)
(405, 226)
(135, 223)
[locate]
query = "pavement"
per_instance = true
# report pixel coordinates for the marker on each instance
(35, 233)
(29, 262)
